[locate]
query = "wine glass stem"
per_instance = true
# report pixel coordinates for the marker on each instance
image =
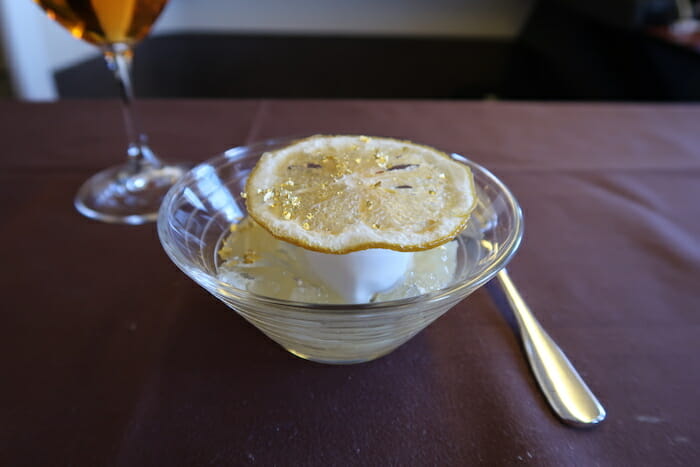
(118, 57)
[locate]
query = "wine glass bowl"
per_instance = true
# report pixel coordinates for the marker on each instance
(130, 193)
(198, 212)
(105, 22)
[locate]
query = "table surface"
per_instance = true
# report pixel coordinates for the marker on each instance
(111, 356)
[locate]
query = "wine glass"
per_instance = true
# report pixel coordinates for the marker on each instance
(130, 193)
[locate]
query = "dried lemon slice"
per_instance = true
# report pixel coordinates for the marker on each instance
(338, 194)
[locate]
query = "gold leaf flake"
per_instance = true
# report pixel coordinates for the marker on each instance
(250, 257)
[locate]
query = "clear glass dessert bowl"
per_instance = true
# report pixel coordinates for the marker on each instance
(196, 216)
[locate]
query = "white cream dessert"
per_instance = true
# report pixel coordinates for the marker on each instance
(349, 219)
(254, 260)
(359, 275)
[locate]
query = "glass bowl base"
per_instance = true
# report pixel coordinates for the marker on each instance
(337, 361)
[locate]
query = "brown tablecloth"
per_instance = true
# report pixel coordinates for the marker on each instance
(111, 356)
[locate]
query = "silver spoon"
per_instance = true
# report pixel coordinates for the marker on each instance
(565, 390)
(563, 387)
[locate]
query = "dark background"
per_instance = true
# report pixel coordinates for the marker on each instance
(566, 50)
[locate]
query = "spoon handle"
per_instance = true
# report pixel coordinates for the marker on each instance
(565, 390)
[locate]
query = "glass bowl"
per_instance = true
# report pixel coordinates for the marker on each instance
(196, 215)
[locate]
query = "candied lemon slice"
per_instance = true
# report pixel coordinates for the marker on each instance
(338, 194)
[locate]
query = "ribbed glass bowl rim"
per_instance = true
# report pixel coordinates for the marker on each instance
(459, 289)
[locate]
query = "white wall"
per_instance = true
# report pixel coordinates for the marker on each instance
(492, 18)
(35, 46)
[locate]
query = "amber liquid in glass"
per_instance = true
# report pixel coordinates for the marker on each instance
(103, 22)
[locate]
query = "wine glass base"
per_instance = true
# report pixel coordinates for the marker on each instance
(120, 196)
